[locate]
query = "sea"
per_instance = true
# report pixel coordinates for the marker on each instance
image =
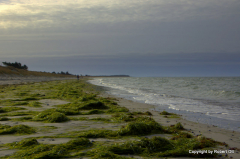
(208, 100)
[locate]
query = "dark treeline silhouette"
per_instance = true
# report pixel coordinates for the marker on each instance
(16, 65)
(62, 73)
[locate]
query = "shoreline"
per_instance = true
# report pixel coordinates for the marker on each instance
(230, 137)
(211, 114)
(215, 133)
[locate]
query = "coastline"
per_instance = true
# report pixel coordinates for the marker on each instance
(217, 105)
(232, 138)
(215, 133)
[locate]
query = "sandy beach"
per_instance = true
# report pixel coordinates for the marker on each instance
(229, 137)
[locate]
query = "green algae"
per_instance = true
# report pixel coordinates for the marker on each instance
(141, 128)
(179, 126)
(94, 111)
(31, 149)
(106, 154)
(24, 143)
(181, 135)
(25, 118)
(169, 115)
(19, 113)
(57, 117)
(17, 129)
(9, 109)
(154, 147)
(145, 145)
(97, 133)
(100, 119)
(4, 119)
(93, 105)
(34, 104)
(50, 116)
(18, 103)
(136, 128)
(46, 128)
(122, 117)
(82, 97)
(166, 113)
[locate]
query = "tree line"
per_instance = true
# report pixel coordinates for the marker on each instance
(62, 73)
(16, 65)
(25, 67)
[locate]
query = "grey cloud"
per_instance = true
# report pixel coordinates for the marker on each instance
(122, 35)
(57, 15)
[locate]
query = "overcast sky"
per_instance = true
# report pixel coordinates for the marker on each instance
(135, 37)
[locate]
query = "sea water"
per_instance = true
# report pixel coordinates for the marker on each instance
(209, 100)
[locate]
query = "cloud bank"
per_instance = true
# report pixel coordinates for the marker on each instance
(136, 35)
(59, 13)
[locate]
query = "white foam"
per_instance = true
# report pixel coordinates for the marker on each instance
(151, 95)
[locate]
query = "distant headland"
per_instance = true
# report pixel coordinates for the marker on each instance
(107, 75)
